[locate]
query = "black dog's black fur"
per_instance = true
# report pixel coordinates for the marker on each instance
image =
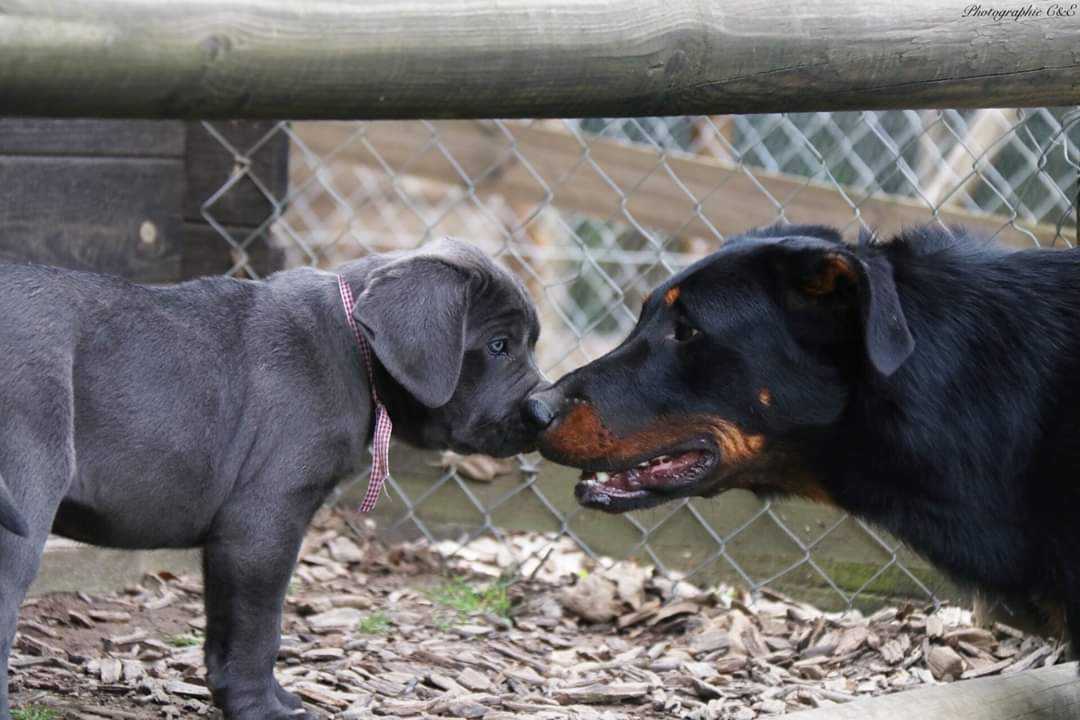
(965, 442)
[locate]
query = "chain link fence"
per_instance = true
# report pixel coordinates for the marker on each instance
(591, 214)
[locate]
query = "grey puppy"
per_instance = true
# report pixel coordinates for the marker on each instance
(220, 413)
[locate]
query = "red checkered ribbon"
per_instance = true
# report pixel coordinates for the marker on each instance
(380, 451)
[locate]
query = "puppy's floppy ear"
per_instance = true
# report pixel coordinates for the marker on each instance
(827, 274)
(413, 312)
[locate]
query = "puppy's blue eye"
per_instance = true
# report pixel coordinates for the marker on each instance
(497, 346)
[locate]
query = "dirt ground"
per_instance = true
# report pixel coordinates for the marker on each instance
(525, 627)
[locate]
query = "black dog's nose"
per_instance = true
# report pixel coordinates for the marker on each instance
(538, 413)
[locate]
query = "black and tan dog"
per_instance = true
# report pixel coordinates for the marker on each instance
(930, 384)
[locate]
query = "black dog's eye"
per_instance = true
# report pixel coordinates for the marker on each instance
(684, 331)
(497, 346)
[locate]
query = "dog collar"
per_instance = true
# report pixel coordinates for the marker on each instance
(380, 451)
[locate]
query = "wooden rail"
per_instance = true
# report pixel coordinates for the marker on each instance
(524, 58)
(1048, 694)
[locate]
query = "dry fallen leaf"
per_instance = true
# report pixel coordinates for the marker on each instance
(481, 468)
(592, 599)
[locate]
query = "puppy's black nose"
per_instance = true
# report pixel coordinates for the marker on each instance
(538, 413)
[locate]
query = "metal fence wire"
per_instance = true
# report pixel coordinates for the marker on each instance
(591, 214)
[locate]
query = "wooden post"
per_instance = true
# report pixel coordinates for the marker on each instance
(93, 195)
(535, 58)
(1048, 694)
(127, 197)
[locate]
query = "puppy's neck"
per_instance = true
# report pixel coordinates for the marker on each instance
(408, 414)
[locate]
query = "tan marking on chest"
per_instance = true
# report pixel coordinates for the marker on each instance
(807, 486)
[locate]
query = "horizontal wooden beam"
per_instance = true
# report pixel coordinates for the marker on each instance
(674, 193)
(523, 58)
(1047, 694)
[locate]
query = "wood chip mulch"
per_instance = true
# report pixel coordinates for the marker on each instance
(369, 633)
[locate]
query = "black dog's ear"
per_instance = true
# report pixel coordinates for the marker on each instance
(888, 339)
(823, 273)
(413, 312)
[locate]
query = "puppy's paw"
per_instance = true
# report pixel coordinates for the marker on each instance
(286, 698)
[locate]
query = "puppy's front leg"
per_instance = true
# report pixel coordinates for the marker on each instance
(247, 564)
(37, 463)
(19, 559)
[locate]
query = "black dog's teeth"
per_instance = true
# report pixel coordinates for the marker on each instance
(653, 461)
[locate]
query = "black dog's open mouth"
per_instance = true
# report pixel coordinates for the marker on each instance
(653, 481)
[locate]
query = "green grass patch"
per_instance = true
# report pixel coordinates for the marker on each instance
(34, 712)
(185, 640)
(376, 624)
(469, 599)
(444, 622)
